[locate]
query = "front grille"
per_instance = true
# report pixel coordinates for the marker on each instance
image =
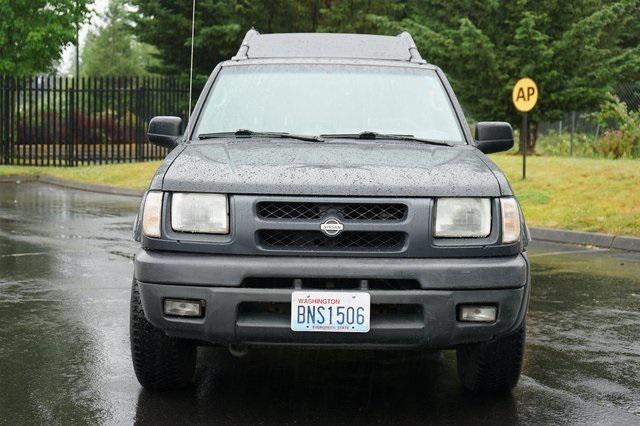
(315, 240)
(345, 211)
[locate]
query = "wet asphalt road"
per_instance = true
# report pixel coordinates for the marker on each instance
(65, 273)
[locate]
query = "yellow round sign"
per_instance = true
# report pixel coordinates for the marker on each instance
(525, 94)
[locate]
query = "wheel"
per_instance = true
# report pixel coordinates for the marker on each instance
(160, 362)
(492, 367)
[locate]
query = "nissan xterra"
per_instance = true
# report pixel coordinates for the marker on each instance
(327, 192)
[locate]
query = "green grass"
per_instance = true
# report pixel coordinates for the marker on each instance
(131, 175)
(577, 193)
(572, 193)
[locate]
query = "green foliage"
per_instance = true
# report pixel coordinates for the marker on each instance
(357, 16)
(112, 50)
(622, 138)
(33, 33)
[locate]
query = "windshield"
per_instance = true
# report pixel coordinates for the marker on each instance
(330, 99)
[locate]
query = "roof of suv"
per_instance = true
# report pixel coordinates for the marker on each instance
(324, 45)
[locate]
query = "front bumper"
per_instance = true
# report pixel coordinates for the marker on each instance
(424, 317)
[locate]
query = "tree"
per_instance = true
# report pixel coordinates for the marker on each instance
(167, 25)
(34, 32)
(112, 50)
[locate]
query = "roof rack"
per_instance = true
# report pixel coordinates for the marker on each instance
(413, 49)
(244, 46)
(327, 45)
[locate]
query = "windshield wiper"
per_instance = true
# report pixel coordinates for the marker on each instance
(244, 133)
(376, 135)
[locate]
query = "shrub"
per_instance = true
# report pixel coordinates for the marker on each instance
(622, 129)
(615, 144)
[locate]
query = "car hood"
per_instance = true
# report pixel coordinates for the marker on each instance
(337, 167)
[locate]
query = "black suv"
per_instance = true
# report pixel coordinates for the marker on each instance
(327, 192)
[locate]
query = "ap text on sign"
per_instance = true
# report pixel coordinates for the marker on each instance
(525, 94)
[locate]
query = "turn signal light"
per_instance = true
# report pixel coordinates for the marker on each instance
(151, 214)
(510, 220)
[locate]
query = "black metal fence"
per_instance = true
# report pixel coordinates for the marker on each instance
(62, 121)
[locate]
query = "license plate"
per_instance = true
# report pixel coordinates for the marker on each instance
(330, 311)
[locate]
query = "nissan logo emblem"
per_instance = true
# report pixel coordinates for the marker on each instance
(331, 227)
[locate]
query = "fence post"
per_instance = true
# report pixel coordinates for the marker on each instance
(71, 129)
(140, 98)
(9, 120)
(573, 130)
(4, 125)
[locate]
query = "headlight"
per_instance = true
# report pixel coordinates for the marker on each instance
(200, 213)
(510, 220)
(151, 214)
(463, 217)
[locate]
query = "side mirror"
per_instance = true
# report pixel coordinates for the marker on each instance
(165, 131)
(494, 136)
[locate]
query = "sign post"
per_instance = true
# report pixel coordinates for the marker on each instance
(525, 97)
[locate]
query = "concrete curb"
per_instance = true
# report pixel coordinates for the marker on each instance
(626, 243)
(64, 183)
(564, 236)
(595, 239)
(572, 237)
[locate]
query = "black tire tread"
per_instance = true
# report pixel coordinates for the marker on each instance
(492, 367)
(160, 362)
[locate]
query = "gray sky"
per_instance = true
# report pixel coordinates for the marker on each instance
(69, 52)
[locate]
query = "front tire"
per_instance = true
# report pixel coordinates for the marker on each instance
(160, 362)
(492, 367)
